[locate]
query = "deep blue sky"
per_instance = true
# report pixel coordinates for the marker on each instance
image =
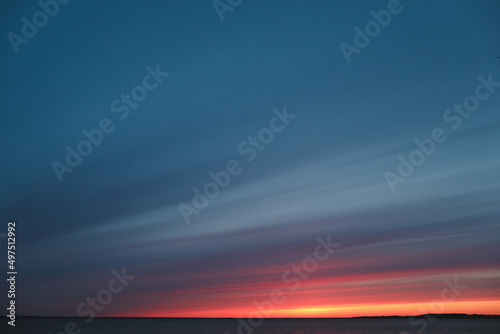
(323, 174)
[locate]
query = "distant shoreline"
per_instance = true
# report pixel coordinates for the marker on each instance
(437, 316)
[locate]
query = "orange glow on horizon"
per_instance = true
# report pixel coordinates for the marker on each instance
(338, 311)
(328, 297)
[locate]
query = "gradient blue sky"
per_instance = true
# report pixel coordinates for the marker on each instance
(322, 175)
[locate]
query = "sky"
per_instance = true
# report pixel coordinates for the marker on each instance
(309, 141)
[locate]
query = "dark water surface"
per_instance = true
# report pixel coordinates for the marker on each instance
(269, 326)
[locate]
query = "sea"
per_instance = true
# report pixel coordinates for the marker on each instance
(36, 325)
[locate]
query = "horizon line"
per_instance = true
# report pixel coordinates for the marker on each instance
(354, 317)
